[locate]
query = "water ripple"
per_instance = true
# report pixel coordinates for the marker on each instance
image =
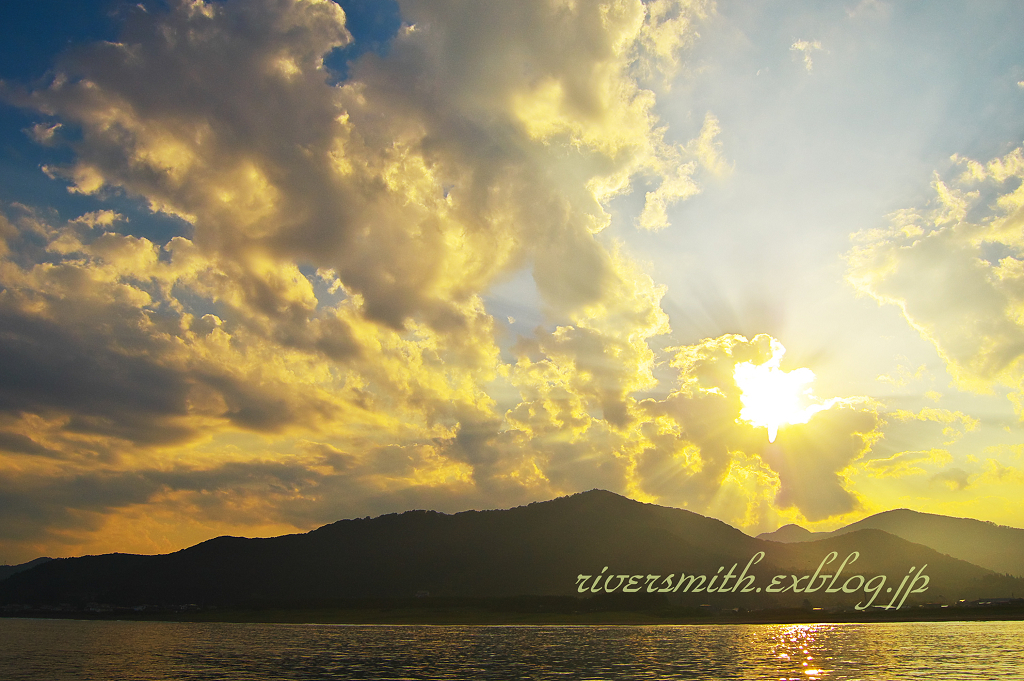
(157, 651)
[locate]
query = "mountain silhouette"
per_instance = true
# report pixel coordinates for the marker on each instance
(997, 548)
(788, 534)
(540, 549)
(8, 570)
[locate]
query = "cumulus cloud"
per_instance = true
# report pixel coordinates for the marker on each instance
(221, 113)
(319, 343)
(699, 426)
(954, 268)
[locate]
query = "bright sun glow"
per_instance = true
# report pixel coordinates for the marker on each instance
(772, 397)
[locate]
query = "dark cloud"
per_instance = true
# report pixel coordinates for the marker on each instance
(955, 478)
(811, 457)
(47, 366)
(37, 508)
(20, 444)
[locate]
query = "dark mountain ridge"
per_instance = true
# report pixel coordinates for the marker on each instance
(539, 549)
(995, 547)
(8, 570)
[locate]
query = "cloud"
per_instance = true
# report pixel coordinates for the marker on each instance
(806, 48)
(905, 464)
(94, 331)
(18, 443)
(955, 478)
(319, 343)
(342, 236)
(222, 113)
(954, 269)
(869, 9)
(904, 376)
(698, 426)
(996, 472)
(955, 423)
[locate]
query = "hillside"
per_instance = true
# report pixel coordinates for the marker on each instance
(8, 570)
(539, 549)
(997, 548)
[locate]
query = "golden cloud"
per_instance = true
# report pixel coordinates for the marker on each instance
(320, 342)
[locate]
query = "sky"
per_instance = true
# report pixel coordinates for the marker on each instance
(268, 264)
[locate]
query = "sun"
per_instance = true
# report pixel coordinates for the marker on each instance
(772, 397)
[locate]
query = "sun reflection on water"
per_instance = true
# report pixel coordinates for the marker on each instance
(40, 650)
(795, 648)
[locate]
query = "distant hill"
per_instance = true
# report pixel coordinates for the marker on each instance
(788, 534)
(8, 570)
(997, 548)
(539, 549)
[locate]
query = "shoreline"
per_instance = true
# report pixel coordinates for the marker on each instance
(479, 616)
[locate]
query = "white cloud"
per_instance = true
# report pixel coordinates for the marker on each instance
(806, 48)
(954, 270)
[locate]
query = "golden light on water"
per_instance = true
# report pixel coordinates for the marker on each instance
(772, 397)
(797, 645)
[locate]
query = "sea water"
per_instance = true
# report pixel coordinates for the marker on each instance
(110, 650)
